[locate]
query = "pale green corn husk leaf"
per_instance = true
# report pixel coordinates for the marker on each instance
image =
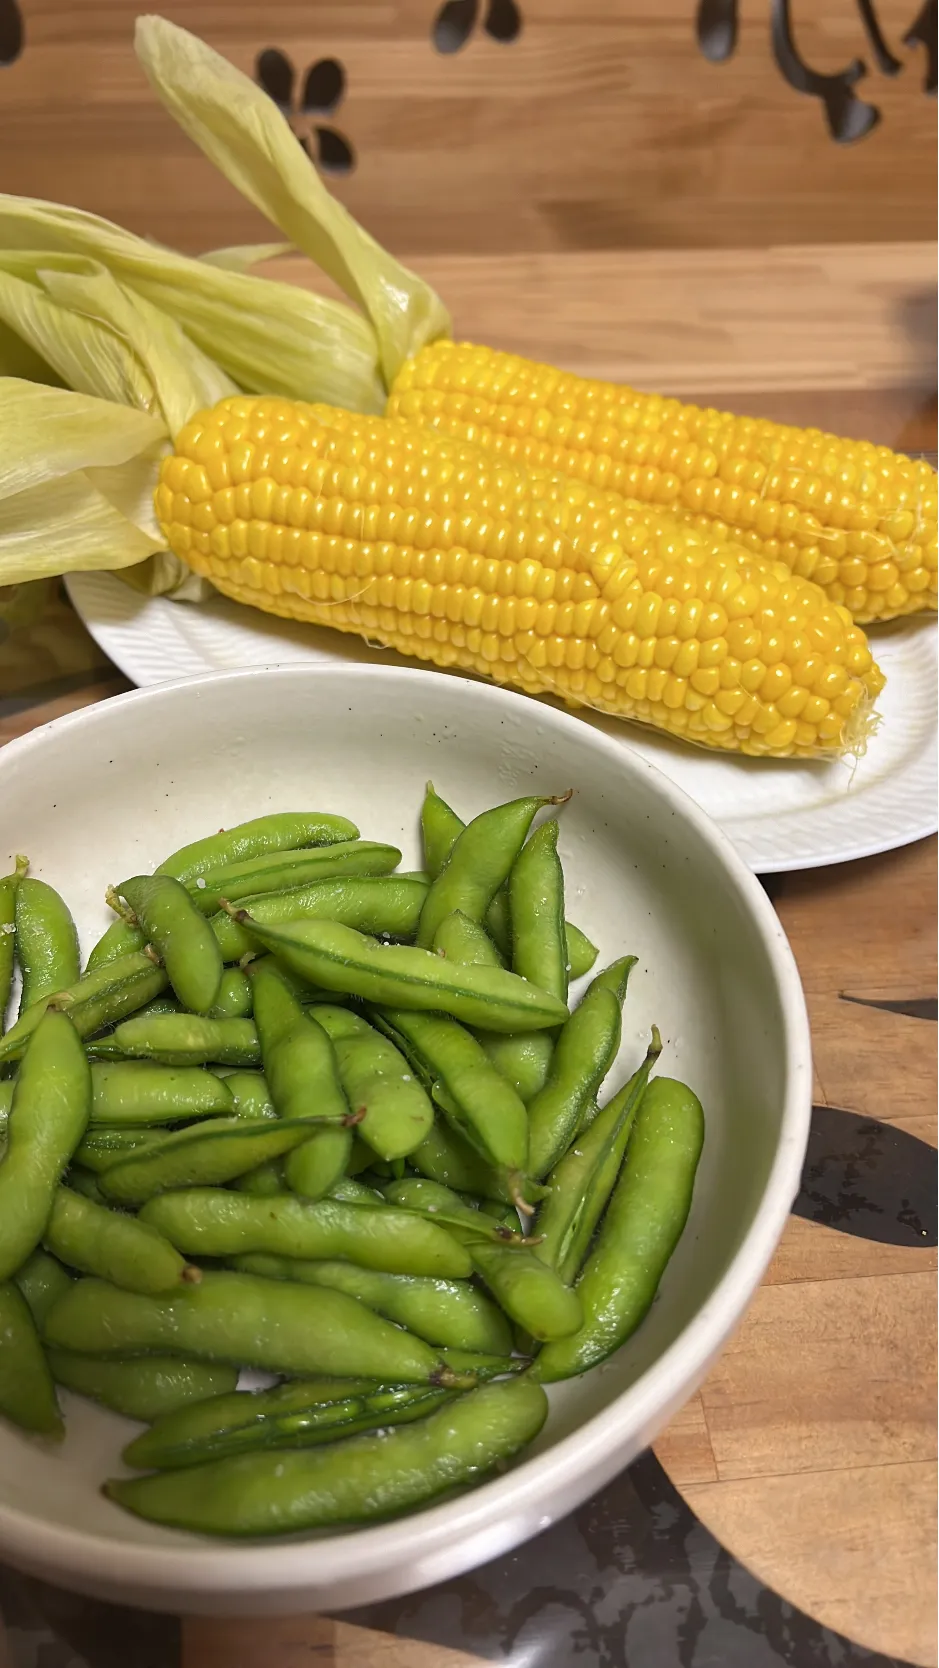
(18, 359)
(85, 353)
(269, 337)
(248, 139)
(46, 433)
(240, 257)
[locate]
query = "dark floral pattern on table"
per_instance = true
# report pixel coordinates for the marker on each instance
(12, 33)
(456, 20)
(322, 91)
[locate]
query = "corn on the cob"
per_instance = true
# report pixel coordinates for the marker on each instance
(424, 545)
(856, 518)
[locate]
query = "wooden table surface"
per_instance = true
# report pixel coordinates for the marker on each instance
(796, 1492)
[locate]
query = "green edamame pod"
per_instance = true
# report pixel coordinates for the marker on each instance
(97, 999)
(251, 1097)
(522, 1059)
(581, 1184)
(536, 908)
(27, 1393)
(212, 1222)
(581, 953)
(444, 1157)
(190, 1040)
(479, 863)
(264, 1182)
(434, 1199)
(183, 938)
(84, 1182)
(303, 1077)
(528, 1290)
(206, 1154)
(297, 1415)
(585, 1050)
(642, 1226)
(42, 1281)
(112, 1245)
(51, 1106)
(439, 1311)
(384, 906)
(278, 831)
(312, 1169)
(129, 1092)
(6, 1101)
(277, 871)
(144, 1387)
(440, 830)
(352, 1192)
(102, 1146)
(466, 942)
(354, 1481)
(475, 1099)
(277, 1326)
(121, 938)
(8, 889)
(235, 996)
(395, 975)
(396, 1111)
(46, 942)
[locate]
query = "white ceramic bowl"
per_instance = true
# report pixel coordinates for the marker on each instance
(111, 789)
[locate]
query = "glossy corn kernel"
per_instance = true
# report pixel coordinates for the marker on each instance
(423, 544)
(856, 518)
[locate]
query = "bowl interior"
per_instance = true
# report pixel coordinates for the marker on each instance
(109, 792)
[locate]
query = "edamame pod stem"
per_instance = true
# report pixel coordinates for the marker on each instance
(181, 936)
(241, 1423)
(234, 998)
(396, 1111)
(395, 975)
(385, 906)
(581, 1183)
(642, 1226)
(211, 1222)
(277, 1326)
(354, 1481)
(528, 1290)
(279, 870)
(97, 999)
(8, 889)
(190, 1040)
(46, 942)
(278, 831)
(42, 1281)
(138, 1092)
(115, 1246)
(479, 863)
(51, 1106)
(203, 1154)
(142, 1387)
(585, 1050)
(27, 1393)
(439, 1311)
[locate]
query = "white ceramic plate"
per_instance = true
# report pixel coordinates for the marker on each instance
(109, 790)
(779, 815)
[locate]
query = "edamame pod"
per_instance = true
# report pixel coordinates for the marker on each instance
(434, 1199)
(46, 942)
(303, 1077)
(643, 1223)
(84, 1182)
(182, 937)
(278, 831)
(121, 938)
(396, 975)
(251, 1097)
(51, 1106)
(264, 1182)
(8, 889)
(584, 1052)
(440, 830)
(277, 1326)
(139, 1092)
(385, 906)
(439, 1311)
(521, 1059)
(276, 871)
(210, 1222)
(528, 1290)
(581, 953)
(42, 1280)
(190, 1040)
(479, 863)
(444, 1157)
(114, 1246)
(298, 1415)
(234, 998)
(98, 999)
(27, 1393)
(143, 1387)
(397, 1113)
(464, 941)
(103, 1146)
(313, 1168)
(536, 908)
(203, 1154)
(354, 1481)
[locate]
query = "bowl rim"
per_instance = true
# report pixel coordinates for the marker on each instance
(505, 1505)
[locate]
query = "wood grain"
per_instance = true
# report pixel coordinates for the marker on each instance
(601, 127)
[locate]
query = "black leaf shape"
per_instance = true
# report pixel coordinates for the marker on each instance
(12, 35)
(886, 62)
(274, 72)
(868, 1178)
(335, 154)
(323, 88)
(914, 1007)
(716, 28)
(922, 32)
(849, 118)
(503, 21)
(454, 24)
